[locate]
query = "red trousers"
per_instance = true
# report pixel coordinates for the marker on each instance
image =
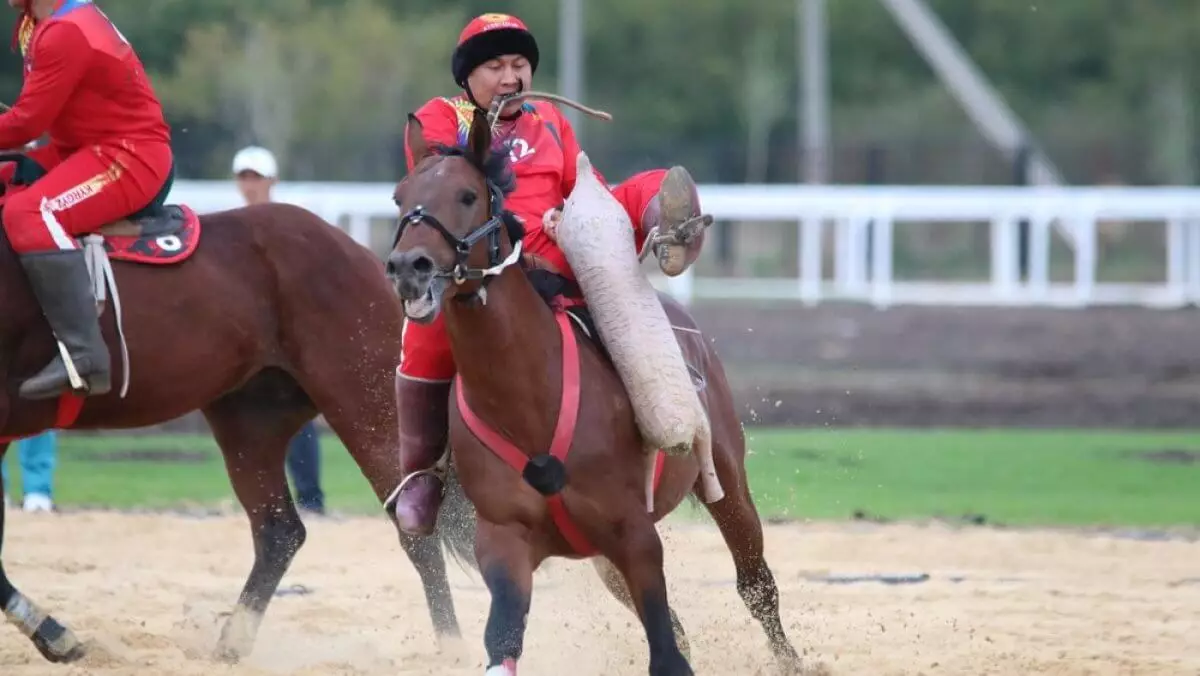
(82, 192)
(425, 350)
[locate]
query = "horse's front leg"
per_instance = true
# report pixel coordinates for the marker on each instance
(54, 641)
(506, 562)
(639, 557)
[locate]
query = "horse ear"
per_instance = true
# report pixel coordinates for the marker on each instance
(414, 138)
(479, 141)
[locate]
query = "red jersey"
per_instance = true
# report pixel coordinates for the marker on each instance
(83, 84)
(542, 150)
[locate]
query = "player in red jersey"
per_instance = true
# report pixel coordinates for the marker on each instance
(108, 156)
(496, 57)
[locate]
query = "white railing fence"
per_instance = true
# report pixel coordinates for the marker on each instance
(849, 211)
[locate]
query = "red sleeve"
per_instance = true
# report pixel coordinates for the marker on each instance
(59, 58)
(571, 152)
(439, 125)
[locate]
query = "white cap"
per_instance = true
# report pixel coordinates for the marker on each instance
(256, 159)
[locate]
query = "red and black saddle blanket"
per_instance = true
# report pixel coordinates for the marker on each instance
(170, 236)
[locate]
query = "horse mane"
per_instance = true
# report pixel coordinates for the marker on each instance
(497, 170)
(495, 166)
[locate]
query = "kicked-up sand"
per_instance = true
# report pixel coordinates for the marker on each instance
(148, 591)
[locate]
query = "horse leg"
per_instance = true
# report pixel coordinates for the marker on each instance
(253, 428)
(616, 586)
(360, 406)
(54, 641)
(505, 560)
(738, 521)
(374, 449)
(640, 560)
(423, 552)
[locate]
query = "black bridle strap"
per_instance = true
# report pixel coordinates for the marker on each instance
(462, 247)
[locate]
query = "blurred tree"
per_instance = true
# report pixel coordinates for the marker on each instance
(1105, 85)
(764, 97)
(321, 87)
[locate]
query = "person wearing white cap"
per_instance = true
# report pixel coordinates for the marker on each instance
(257, 171)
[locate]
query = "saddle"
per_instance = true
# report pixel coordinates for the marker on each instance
(157, 220)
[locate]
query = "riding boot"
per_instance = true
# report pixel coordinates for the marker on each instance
(62, 286)
(673, 221)
(423, 411)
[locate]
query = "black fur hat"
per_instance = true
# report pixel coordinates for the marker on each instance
(487, 37)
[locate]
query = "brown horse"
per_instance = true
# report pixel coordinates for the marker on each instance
(530, 380)
(273, 317)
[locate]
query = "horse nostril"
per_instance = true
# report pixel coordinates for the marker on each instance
(411, 264)
(422, 265)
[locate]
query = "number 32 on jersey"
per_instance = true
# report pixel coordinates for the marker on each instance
(519, 149)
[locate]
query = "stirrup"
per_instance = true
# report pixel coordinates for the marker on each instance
(395, 494)
(76, 381)
(659, 236)
(438, 470)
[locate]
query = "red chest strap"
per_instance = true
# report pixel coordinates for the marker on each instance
(560, 445)
(564, 433)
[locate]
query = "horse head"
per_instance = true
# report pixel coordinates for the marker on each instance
(454, 234)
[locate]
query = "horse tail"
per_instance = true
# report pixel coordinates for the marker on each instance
(456, 523)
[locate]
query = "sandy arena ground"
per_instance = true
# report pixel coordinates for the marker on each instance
(147, 590)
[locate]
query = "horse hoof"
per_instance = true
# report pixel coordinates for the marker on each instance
(506, 668)
(675, 665)
(227, 655)
(230, 651)
(56, 643)
(238, 635)
(73, 655)
(794, 666)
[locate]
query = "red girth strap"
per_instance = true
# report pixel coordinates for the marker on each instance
(564, 432)
(69, 406)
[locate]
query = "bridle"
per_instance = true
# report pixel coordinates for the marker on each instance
(461, 273)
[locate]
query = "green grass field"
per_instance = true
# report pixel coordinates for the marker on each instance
(1009, 477)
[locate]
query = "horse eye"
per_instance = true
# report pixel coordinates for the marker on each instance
(468, 198)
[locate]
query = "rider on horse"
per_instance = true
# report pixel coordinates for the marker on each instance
(497, 56)
(109, 155)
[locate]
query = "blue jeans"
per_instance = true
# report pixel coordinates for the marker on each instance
(304, 464)
(38, 456)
